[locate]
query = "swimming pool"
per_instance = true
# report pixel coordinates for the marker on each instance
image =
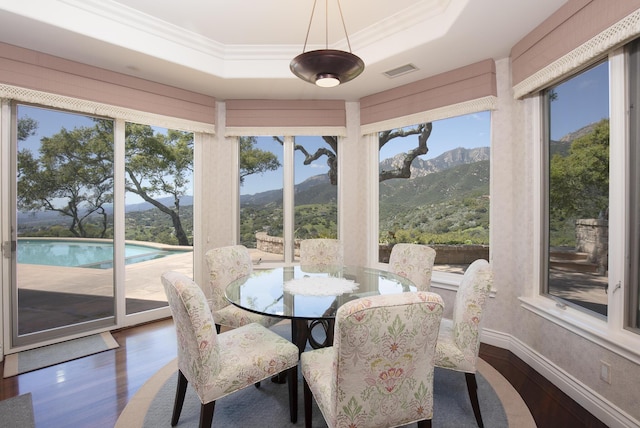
(83, 253)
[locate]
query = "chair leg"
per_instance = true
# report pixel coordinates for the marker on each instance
(181, 390)
(206, 414)
(472, 387)
(424, 423)
(307, 404)
(292, 379)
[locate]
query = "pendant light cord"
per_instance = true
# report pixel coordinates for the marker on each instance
(326, 25)
(344, 27)
(304, 48)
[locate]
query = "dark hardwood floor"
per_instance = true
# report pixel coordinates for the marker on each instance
(92, 391)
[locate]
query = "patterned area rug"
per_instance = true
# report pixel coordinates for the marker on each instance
(152, 405)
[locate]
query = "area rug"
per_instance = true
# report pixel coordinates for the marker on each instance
(17, 412)
(34, 359)
(151, 406)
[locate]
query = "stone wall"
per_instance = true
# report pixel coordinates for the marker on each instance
(445, 254)
(274, 244)
(592, 237)
(448, 254)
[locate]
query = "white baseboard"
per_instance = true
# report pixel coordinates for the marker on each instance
(593, 402)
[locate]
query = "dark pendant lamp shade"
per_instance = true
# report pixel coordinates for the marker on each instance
(327, 67)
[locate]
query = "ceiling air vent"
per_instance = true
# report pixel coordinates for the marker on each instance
(399, 71)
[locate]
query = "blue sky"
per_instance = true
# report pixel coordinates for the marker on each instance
(581, 101)
(469, 131)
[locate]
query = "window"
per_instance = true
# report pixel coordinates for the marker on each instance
(277, 211)
(64, 224)
(158, 211)
(578, 190)
(592, 213)
(434, 189)
(98, 232)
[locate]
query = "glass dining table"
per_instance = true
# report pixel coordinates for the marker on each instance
(310, 295)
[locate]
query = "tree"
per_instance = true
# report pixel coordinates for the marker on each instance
(253, 160)
(579, 182)
(72, 175)
(156, 165)
(27, 127)
(423, 131)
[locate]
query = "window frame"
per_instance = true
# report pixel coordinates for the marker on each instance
(611, 332)
(288, 189)
(439, 279)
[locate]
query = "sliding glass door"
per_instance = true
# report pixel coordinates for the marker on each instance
(62, 281)
(100, 208)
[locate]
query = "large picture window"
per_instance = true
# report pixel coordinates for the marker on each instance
(434, 189)
(578, 190)
(288, 192)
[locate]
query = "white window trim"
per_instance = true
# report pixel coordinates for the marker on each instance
(119, 116)
(608, 333)
(439, 279)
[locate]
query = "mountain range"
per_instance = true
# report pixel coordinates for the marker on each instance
(318, 190)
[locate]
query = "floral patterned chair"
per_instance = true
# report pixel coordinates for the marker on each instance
(226, 264)
(459, 337)
(414, 262)
(315, 256)
(379, 372)
(321, 252)
(219, 364)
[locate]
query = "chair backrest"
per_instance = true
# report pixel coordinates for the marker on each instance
(198, 352)
(321, 252)
(414, 262)
(226, 264)
(468, 308)
(384, 350)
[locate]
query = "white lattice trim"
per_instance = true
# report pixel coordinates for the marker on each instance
(621, 32)
(467, 107)
(99, 109)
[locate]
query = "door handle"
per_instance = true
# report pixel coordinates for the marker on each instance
(8, 247)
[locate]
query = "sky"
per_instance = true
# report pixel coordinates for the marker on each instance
(469, 131)
(580, 101)
(50, 122)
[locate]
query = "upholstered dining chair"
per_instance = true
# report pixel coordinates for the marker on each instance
(459, 338)
(215, 364)
(321, 252)
(414, 262)
(379, 371)
(226, 264)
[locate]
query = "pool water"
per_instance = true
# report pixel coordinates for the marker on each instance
(87, 254)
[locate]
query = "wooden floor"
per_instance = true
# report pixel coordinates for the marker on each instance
(92, 391)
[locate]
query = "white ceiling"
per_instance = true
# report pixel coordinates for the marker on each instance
(241, 49)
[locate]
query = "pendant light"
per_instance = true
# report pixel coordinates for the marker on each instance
(327, 67)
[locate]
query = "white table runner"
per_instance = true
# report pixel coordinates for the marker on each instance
(320, 286)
